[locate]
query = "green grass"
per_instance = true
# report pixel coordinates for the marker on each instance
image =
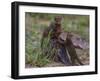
(34, 54)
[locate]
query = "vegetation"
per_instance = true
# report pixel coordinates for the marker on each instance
(35, 23)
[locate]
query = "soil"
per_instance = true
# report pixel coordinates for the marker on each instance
(82, 54)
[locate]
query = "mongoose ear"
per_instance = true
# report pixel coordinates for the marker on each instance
(70, 34)
(58, 18)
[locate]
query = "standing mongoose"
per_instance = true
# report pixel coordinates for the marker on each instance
(71, 50)
(54, 29)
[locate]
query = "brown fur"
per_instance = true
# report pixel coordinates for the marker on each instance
(71, 50)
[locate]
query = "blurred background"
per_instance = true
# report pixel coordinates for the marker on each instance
(35, 23)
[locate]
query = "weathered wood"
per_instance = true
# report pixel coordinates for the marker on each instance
(76, 40)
